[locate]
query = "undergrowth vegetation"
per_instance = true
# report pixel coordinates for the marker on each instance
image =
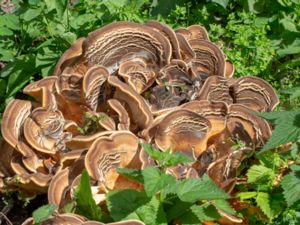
(260, 37)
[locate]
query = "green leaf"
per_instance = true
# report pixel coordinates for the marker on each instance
(205, 212)
(291, 186)
(4, 31)
(3, 85)
(257, 172)
(246, 195)
(43, 213)
(10, 21)
(69, 37)
(155, 181)
(222, 3)
(191, 190)
(133, 174)
(263, 202)
(177, 208)
(153, 152)
(30, 14)
(287, 128)
(224, 205)
(288, 24)
(85, 204)
(123, 203)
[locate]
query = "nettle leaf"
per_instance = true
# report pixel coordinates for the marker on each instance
(246, 195)
(85, 203)
(155, 180)
(123, 203)
(191, 190)
(287, 128)
(205, 212)
(153, 152)
(263, 202)
(291, 186)
(133, 174)
(257, 172)
(43, 213)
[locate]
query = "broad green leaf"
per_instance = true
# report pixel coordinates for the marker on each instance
(191, 190)
(155, 181)
(30, 14)
(263, 202)
(6, 55)
(69, 207)
(246, 195)
(85, 204)
(177, 208)
(123, 203)
(174, 158)
(293, 48)
(43, 213)
(205, 212)
(291, 186)
(3, 85)
(133, 174)
(224, 205)
(10, 21)
(69, 37)
(257, 172)
(288, 24)
(4, 31)
(287, 128)
(222, 3)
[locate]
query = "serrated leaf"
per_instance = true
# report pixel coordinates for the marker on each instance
(85, 203)
(123, 203)
(191, 190)
(133, 174)
(222, 3)
(287, 128)
(246, 195)
(153, 152)
(257, 172)
(30, 14)
(263, 202)
(291, 186)
(177, 208)
(175, 158)
(205, 212)
(155, 181)
(224, 206)
(43, 213)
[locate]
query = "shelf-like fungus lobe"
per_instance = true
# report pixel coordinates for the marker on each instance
(123, 84)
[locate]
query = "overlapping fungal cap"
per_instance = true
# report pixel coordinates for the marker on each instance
(127, 83)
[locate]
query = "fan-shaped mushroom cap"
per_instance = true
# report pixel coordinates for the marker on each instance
(215, 112)
(81, 142)
(215, 88)
(198, 32)
(190, 128)
(44, 130)
(123, 117)
(170, 34)
(121, 41)
(59, 219)
(6, 152)
(187, 53)
(209, 59)
(121, 149)
(139, 111)
(94, 87)
(13, 118)
(36, 91)
(245, 126)
(67, 58)
(255, 93)
(61, 183)
(137, 74)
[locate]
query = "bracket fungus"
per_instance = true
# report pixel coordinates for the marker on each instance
(123, 84)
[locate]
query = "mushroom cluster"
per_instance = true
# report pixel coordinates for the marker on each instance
(128, 83)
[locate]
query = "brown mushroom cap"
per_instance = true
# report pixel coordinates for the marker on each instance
(187, 53)
(245, 126)
(121, 149)
(127, 222)
(123, 117)
(94, 87)
(137, 74)
(138, 110)
(190, 128)
(13, 118)
(6, 152)
(215, 88)
(69, 86)
(255, 93)
(209, 59)
(120, 41)
(44, 130)
(198, 32)
(229, 69)
(59, 219)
